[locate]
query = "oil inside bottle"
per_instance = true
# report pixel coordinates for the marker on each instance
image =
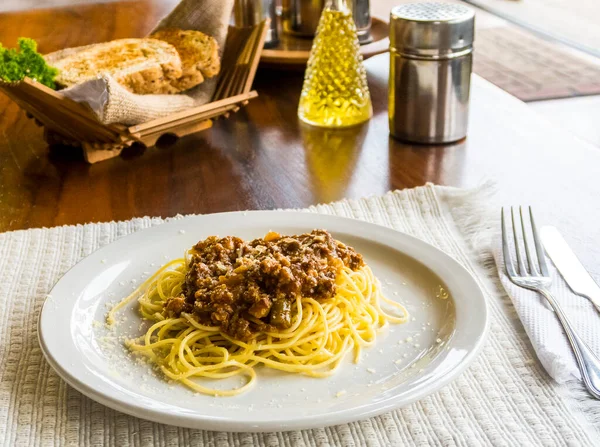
(335, 92)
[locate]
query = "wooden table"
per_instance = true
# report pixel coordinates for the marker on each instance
(262, 158)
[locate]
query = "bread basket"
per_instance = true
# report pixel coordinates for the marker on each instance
(71, 123)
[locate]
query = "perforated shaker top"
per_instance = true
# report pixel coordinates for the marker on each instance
(429, 12)
(432, 28)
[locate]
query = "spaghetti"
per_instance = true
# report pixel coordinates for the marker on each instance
(321, 333)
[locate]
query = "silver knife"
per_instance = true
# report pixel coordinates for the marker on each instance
(574, 274)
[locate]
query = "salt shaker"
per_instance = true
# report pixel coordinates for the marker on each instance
(431, 46)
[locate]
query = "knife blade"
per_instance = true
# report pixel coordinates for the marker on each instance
(569, 266)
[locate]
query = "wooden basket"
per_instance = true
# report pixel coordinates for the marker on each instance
(71, 123)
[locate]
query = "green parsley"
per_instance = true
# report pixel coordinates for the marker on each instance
(26, 62)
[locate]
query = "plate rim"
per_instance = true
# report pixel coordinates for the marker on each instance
(346, 415)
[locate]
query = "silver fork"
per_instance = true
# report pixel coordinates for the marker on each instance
(538, 279)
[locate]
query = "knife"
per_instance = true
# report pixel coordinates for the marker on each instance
(571, 269)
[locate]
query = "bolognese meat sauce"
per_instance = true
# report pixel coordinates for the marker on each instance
(245, 287)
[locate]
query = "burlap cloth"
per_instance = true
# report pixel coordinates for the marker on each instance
(113, 104)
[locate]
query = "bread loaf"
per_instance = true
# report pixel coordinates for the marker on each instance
(170, 61)
(142, 66)
(199, 55)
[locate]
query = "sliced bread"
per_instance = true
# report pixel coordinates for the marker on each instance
(199, 55)
(144, 66)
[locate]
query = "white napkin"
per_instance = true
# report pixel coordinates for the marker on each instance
(542, 326)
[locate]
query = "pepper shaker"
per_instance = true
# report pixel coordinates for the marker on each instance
(431, 46)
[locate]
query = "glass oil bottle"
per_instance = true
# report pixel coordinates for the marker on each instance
(335, 91)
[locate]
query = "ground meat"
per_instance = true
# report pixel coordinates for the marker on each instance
(177, 305)
(245, 287)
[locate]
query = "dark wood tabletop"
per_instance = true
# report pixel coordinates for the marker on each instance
(262, 158)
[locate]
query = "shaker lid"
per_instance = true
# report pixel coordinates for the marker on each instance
(431, 29)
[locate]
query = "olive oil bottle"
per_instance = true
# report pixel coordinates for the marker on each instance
(335, 92)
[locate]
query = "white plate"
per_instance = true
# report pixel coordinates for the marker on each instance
(446, 333)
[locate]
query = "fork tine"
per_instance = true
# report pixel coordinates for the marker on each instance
(510, 268)
(538, 246)
(520, 263)
(530, 259)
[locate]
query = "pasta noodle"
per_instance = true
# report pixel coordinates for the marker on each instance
(322, 332)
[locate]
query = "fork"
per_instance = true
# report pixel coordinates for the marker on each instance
(538, 279)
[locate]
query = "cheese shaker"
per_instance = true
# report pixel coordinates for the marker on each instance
(431, 46)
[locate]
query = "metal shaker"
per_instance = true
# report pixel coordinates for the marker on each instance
(251, 12)
(431, 46)
(301, 17)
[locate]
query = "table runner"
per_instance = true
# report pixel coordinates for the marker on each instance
(504, 398)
